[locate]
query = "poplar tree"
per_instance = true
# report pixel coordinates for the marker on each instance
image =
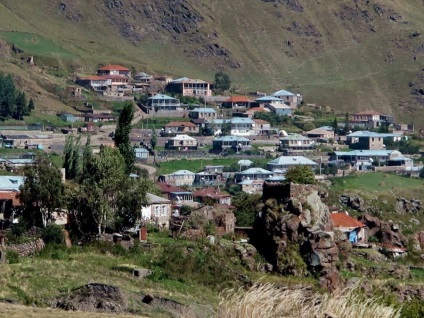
(122, 136)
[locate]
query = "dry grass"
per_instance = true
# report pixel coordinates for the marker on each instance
(18, 311)
(272, 302)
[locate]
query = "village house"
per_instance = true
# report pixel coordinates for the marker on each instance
(210, 176)
(141, 153)
(251, 186)
(112, 69)
(289, 98)
(321, 133)
(238, 126)
(178, 178)
(203, 113)
(284, 163)
(71, 118)
(142, 77)
(157, 211)
(116, 81)
(180, 127)
(262, 127)
(190, 87)
(163, 102)
(175, 194)
(9, 195)
(235, 143)
(371, 119)
(369, 140)
(181, 142)
(237, 102)
(295, 143)
(280, 109)
(364, 159)
(213, 194)
(251, 111)
(253, 174)
(264, 100)
(95, 83)
(352, 228)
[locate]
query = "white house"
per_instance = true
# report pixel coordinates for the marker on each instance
(157, 211)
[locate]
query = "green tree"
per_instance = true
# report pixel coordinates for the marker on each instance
(13, 102)
(222, 82)
(226, 128)
(153, 140)
(31, 105)
(335, 125)
(86, 156)
(122, 136)
(301, 175)
(346, 124)
(132, 199)
(246, 207)
(71, 157)
(42, 192)
(101, 187)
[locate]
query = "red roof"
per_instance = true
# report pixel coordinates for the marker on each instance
(260, 121)
(113, 67)
(180, 123)
(11, 195)
(211, 192)
(92, 78)
(343, 220)
(167, 188)
(238, 99)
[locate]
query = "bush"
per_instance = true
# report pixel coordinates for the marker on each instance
(301, 175)
(53, 234)
(12, 257)
(413, 309)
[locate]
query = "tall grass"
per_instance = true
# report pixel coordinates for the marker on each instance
(269, 301)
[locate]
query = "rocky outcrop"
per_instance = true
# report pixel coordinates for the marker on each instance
(404, 206)
(94, 298)
(247, 253)
(387, 233)
(353, 201)
(294, 233)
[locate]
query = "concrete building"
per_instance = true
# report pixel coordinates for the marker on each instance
(178, 178)
(293, 100)
(235, 143)
(280, 109)
(203, 113)
(371, 119)
(163, 102)
(190, 87)
(238, 126)
(284, 163)
(181, 142)
(253, 174)
(157, 211)
(180, 127)
(295, 143)
(369, 140)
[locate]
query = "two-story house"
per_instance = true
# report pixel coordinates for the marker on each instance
(190, 87)
(371, 119)
(96, 83)
(288, 97)
(112, 69)
(237, 102)
(253, 174)
(163, 102)
(235, 143)
(181, 142)
(284, 163)
(237, 126)
(214, 195)
(369, 140)
(178, 178)
(203, 113)
(296, 143)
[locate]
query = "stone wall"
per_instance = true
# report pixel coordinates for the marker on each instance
(26, 249)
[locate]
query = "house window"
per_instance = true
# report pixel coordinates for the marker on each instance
(157, 212)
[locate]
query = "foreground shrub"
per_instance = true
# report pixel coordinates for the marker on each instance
(53, 234)
(269, 301)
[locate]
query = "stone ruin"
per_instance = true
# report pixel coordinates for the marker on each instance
(295, 234)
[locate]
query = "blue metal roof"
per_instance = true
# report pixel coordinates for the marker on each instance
(371, 153)
(11, 183)
(292, 160)
(231, 138)
(162, 96)
(282, 92)
(366, 133)
(268, 98)
(204, 110)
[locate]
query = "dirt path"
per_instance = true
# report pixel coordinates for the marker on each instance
(151, 170)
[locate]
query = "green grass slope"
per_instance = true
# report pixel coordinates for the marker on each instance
(351, 55)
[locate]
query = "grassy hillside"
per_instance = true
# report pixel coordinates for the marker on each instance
(351, 55)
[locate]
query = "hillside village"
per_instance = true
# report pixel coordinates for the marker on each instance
(205, 148)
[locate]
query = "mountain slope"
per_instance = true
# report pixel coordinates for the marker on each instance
(350, 55)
